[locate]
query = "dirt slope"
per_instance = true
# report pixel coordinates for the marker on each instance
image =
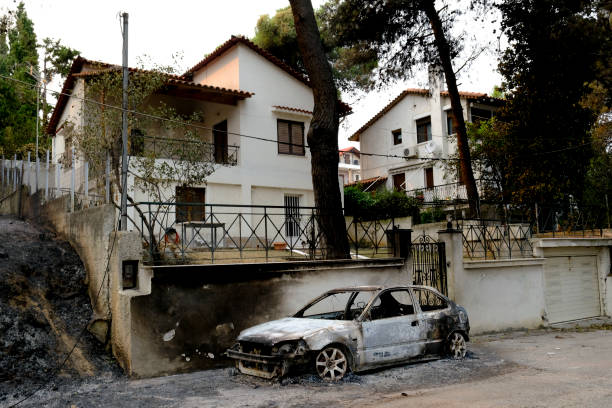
(43, 308)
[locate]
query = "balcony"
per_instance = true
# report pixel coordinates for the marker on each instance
(447, 192)
(177, 149)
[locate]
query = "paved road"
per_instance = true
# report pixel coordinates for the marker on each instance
(542, 369)
(554, 370)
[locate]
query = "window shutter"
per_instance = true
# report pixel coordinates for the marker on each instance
(297, 138)
(284, 139)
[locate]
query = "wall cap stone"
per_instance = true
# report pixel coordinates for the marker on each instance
(503, 263)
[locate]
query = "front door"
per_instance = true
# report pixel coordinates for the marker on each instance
(220, 136)
(392, 330)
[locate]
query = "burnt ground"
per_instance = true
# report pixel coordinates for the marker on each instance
(544, 368)
(44, 306)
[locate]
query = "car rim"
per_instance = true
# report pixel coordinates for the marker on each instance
(458, 347)
(331, 364)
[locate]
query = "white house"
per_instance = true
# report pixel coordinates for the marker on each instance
(349, 169)
(244, 94)
(415, 130)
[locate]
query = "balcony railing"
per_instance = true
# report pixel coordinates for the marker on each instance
(446, 192)
(176, 149)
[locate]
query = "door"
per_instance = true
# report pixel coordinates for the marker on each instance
(220, 140)
(392, 330)
(399, 181)
(292, 218)
(571, 288)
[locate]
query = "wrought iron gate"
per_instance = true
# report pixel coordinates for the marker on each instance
(429, 263)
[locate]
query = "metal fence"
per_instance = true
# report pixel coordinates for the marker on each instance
(489, 239)
(53, 180)
(224, 233)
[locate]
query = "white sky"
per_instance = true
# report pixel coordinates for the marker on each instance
(160, 29)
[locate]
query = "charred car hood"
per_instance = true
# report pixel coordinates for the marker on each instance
(289, 328)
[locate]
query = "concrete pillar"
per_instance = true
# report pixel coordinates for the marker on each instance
(453, 243)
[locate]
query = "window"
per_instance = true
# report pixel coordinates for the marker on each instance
(290, 137)
(429, 177)
(478, 115)
(356, 177)
(450, 122)
(399, 181)
(397, 136)
(347, 158)
(429, 300)
(392, 303)
(186, 213)
(423, 129)
(356, 162)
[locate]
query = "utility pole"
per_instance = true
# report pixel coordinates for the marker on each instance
(124, 120)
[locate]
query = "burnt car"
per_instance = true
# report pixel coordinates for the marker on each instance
(356, 329)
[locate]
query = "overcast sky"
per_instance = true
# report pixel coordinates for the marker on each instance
(160, 29)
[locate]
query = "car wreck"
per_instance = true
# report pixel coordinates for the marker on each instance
(356, 329)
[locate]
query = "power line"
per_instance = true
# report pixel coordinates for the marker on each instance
(263, 139)
(78, 339)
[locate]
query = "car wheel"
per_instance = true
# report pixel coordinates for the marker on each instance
(457, 346)
(331, 363)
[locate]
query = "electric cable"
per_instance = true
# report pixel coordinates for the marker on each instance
(390, 156)
(78, 339)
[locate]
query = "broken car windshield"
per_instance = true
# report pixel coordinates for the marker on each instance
(346, 305)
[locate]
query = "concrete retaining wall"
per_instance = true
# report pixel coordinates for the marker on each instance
(510, 294)
(195, 312)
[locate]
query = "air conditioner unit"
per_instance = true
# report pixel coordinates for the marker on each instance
(410, 152)
(432, 148)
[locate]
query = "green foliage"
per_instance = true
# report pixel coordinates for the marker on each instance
(18, 103)
(378, 205)
(19, 60)
(151, 140)
(352, 66)
(541, 145)
(434, 214)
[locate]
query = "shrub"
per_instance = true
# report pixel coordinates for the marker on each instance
(379, 205)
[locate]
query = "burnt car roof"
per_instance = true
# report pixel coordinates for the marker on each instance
(375, 288)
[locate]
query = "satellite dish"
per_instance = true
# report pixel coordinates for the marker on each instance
(431, 147)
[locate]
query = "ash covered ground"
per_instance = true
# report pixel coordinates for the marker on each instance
(44, 306)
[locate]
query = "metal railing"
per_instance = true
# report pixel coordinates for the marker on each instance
(489, 239)
(446, 192)
(225, 233)
(176, 149)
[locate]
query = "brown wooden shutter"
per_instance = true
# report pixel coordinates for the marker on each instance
(429, 178)
(284, 138)
(297, 138)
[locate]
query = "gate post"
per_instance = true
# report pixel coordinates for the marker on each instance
(453, 246)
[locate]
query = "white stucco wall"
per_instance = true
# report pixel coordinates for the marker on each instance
(223, 71)
(379, 139)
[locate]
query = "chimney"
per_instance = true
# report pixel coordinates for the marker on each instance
(436, 80)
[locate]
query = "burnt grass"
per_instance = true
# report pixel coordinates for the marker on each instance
(44, 307)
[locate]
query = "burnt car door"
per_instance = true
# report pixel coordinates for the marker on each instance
(391, 329)
(437, 321)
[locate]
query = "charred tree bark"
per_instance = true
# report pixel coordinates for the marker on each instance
(465, 164)
(323, 132)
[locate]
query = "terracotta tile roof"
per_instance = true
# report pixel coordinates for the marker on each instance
(288, 108)
(77, 65)
(470, 96)
(344, 108)
(349, 149)
(371, 180)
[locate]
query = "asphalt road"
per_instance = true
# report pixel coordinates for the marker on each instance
(537, 369)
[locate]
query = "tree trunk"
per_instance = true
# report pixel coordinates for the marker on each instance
(465, 163)
(323, 132)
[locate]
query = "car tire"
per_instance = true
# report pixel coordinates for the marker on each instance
(332, 363)
(457, 345)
